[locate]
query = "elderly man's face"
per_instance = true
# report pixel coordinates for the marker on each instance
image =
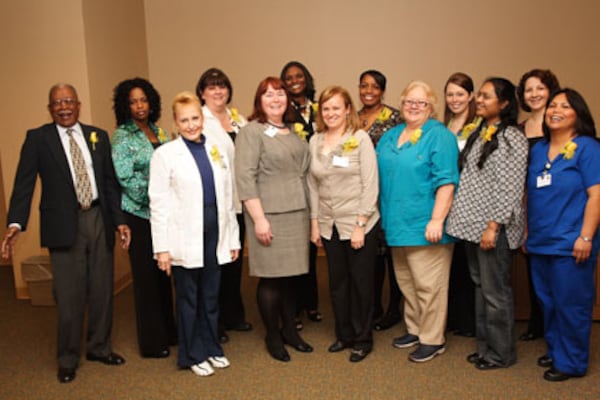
(64, 106)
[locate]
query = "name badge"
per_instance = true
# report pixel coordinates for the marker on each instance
(544, 180)
(271, 131)
(343, 162)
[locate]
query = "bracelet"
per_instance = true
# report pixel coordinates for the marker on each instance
(360, 224)
(586, 238)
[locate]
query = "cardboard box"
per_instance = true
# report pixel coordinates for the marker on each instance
(37, 272)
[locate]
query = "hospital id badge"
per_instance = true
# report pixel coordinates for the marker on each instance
(343, 162)
(544, 180)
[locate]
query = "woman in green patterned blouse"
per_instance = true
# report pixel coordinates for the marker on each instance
(137, 108)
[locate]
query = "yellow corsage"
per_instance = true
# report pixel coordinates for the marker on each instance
(299, 130)
(568, 150)
(486, 135)
(162, 136)
(415, 136)
(384, 115)
(94, 139)
(315, 107)
(235, 115)
(469, 128)
(216, 156)
(350, 144)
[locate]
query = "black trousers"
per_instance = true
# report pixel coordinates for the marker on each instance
(152, 293)
(231, 306)
(83, 279)
(306, 285)
(461, 293)
(351, 283)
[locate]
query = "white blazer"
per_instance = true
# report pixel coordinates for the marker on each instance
(176, 209)
(212, 127)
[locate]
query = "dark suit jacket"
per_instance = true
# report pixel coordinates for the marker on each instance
(43, 154)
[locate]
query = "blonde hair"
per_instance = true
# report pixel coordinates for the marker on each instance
(185, 98)
(352, 121)
(432, 98)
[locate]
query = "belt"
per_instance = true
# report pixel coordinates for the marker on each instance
(94, 203)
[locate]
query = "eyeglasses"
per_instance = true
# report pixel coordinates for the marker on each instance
(67, 102)
(416, 103)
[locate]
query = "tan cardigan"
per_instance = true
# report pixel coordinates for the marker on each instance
(339, 194)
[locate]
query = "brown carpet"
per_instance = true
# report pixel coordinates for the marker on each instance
(28, 368)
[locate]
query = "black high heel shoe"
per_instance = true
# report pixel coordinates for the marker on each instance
(297, 343)
(314, 315)
(276, 349)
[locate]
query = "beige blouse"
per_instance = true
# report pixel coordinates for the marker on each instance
(343, 184)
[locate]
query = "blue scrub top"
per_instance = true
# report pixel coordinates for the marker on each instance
(555, 212)
(409, 177)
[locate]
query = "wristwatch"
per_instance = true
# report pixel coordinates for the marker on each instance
(360, 224)
(586, 238)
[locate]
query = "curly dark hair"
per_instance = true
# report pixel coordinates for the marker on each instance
(505, 91)
(310, 83)
(121, 99)
(545, 75)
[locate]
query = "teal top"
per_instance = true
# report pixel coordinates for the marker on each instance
(131, 152)
(409, 177)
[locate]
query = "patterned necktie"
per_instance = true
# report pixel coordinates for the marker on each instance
(83, 188)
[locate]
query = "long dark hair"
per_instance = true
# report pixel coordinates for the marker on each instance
(464, 81)
(505, 91)
(584, 125)
(121, 99)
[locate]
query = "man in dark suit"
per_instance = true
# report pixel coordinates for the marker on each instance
(79, 212)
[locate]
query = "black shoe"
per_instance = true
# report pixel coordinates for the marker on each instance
(276, 349)
(223, 337)
(485, 365)
(426, 352)
(405, 341)
(338, 345)
(160, 354)
(387, 321)
(473, 358)
(358, 354)
(65, 375)
(298, 324)
(111, 359)
(297, 343)
(554, 375)
(314, 315)
(240, 327)
(545, 361)
(529, 336)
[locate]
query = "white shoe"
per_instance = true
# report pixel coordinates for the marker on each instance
(202, 369)
(219, 361)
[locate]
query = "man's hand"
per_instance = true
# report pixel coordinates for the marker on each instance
(10, 239)
(125, 236)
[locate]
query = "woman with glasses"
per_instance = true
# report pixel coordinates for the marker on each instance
(418, 172)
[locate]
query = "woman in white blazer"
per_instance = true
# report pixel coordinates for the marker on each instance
(194, 230)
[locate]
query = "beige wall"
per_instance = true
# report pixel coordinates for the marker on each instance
(405, 39)
(95, 44)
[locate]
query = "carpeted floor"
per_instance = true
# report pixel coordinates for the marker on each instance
(28, 368)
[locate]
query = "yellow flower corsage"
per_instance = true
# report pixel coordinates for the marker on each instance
(94, 139)
(415, 136)
(568, 150)
(216, 156)
(162, 136)
(486, 135)
(235, 115)
(299, 130)
(315, 107)
(350, 144)
(384, 115)
(469, 128)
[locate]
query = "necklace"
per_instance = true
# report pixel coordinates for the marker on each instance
(282, 126)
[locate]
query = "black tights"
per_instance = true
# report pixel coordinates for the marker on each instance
(276, 298)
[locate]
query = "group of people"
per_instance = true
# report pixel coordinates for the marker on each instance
(441, 207)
